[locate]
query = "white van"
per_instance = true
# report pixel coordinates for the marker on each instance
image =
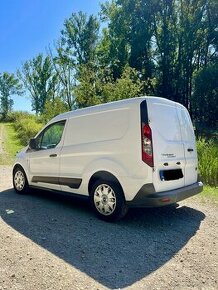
(137, 152)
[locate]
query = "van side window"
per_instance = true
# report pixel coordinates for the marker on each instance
(51, 136)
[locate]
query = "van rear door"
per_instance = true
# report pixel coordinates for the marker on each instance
(168, 148)
(174, 150)
(190, 151)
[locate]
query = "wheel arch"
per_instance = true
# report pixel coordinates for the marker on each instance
(105, 175)
(17, 165)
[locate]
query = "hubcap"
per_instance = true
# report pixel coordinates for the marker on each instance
(19, 180)
(105, 199)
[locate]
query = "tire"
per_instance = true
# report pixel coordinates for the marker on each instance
(20, 181)
(107, 200)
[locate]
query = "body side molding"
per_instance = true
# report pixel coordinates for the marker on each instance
(71, 182)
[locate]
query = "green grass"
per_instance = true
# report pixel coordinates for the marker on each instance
(10, 144)
(208, 161)
(209, 194)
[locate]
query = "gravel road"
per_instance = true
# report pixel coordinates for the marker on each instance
(50, 241)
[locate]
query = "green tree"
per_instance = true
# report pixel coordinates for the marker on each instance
(97, 87)
(205, 97)
(210, 40)
(9, 85)
(139, 34)
(128, 86)
(166, 40)
(53, 108)
(160, 47)
(128, 38)
(78, 44)
(80, 36)
(88, 90)
(65, 68)
(114, 44)
(165, 44)
(40, 81)
(191, 18)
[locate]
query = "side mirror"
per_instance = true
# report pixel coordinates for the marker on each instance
(32, 143)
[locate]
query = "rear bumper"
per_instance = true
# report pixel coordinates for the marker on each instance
(147, 197)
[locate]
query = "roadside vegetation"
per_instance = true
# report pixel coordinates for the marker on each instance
(10, 143)
(16, 132)
(210, 194)
(208, 161)
(208, 168)
(26, 125)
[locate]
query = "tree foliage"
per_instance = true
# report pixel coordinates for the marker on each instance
(127, 86)
(80, 36)
(40, 81)
(53, 108)
(9, 85)
(65, 69)
(100, 87)
(167, 48)
(205, 95)
(166, 41)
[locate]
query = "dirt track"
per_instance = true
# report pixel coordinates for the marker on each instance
(54, 242)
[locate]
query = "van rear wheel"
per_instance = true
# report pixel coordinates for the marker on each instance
(108, 200)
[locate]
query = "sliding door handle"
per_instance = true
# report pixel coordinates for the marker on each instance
(190, 149)
(53, 155)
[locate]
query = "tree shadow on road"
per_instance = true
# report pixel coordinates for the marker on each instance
(116, 255)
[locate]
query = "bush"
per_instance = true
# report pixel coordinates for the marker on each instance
(26, 129)
(208, 161)
(26, 125)
(18, 115)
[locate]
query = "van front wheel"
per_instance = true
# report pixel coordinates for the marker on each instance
(108, 200)
(20, 181)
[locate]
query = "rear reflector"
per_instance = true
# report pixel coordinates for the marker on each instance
(165, 199)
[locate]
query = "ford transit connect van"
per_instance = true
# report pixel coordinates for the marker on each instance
(137, 152)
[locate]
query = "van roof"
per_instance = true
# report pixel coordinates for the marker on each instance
(105, 106)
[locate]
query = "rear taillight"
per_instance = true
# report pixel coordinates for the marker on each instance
(147, 151)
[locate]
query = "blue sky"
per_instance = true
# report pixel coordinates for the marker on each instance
(28, 27)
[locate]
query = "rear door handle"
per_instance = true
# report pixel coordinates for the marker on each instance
(53, 155)
(190, 149)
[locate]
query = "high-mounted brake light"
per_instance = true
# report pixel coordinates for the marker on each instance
(147, 151)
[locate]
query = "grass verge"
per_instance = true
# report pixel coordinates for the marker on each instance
(209, 194)
(10, 144)
(208, 161)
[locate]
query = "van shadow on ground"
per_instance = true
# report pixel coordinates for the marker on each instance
(116, 255)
